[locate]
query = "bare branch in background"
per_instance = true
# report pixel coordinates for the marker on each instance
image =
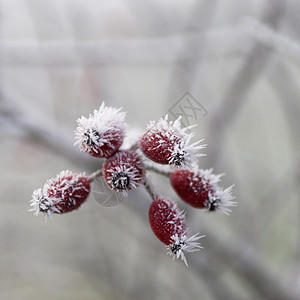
(185, 67)
(250, 266)
(59, 143)
(288, 92)
(229, 41)
(248, 74)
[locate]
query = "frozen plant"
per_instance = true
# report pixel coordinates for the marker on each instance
(163, 143)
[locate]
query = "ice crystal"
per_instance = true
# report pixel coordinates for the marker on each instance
(186, 153)
(182, 244)
(123, 178)
(102, 128)
(41, 203)
(182, 152)
(220, 199)
(207, 176)
(46, 200)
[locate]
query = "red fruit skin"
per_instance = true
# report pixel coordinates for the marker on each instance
(166, 220)
(129, 160)
(157, 146)
(114, 137)
(69, 198)
(190, 188)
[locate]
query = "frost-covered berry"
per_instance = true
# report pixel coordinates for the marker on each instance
(165, 142)
(123, 171)
(62, 194)
(200, 189)
(102, 133)
(169, 225)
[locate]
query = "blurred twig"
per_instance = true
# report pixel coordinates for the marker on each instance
(98, 53)
(288, 92)
(185, 69)
(249, 265)
(37, 129)
(248, 74)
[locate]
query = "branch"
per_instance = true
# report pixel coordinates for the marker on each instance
(96, 53)
(247, 263)
(58, 142)
(246, 77)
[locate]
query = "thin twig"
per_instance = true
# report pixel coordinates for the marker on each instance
(149, 188)
(93, 53)
(39, 130)
(134, 147)
(94, 175)
(246, 77)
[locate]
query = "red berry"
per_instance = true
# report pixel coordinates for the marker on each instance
(165, 142)
(199, 188)
(62, 194)
(169, 225)
(101, 134)
(123, 171)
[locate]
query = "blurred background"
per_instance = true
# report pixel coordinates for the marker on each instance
(240, 61)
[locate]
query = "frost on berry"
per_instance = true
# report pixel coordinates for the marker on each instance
(123, 171)
(165, 142)
(102, 133)
(200, 189)
(169, 225)
(62, 194)
(131, 138)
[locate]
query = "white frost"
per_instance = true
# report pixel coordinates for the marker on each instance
(221, 199)
(41, 202)
(96, 130)
(182, 244)
(183, 152)
(135, 179)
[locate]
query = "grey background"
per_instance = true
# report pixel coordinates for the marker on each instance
(60, 59)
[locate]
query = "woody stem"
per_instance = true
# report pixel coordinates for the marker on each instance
(149, 188)
(134, 147)
(94, 175)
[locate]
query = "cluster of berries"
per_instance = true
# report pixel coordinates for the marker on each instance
(163, 143)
